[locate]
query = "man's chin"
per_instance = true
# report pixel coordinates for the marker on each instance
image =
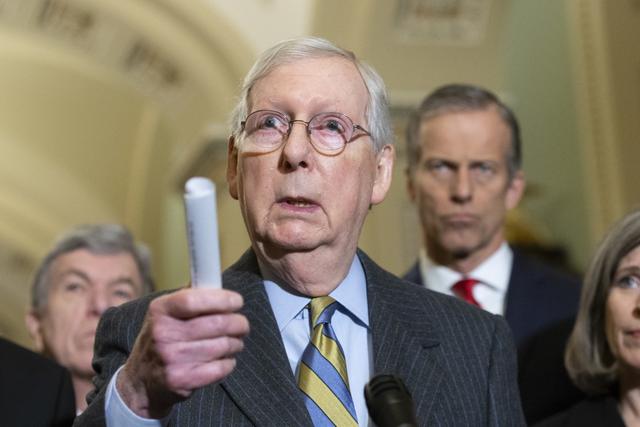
(459, 249)
(461, 253)
(293, 240)
(460, 245)
(463, 250)
(283, 247)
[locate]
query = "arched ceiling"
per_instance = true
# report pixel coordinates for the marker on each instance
(94, 94)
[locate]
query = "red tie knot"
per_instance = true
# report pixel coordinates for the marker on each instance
(464, 289)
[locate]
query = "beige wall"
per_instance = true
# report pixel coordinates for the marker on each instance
(537, 61)
(622, 25)
(606, 70)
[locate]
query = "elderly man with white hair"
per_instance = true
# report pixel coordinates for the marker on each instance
(305, 318)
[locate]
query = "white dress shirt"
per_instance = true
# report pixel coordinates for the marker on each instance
(350, 323)
(493, 276)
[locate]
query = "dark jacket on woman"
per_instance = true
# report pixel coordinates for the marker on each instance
(599, 411)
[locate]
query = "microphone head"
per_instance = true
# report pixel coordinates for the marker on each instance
(389, 402)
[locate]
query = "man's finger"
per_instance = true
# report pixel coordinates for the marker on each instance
(199, 352)
(187, 303)
(191, 377)
(208, 326)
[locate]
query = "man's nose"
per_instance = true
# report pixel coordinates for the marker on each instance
(98, 303)
(297, 148)
(462, 186)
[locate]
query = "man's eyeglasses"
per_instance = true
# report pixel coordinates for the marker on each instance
(329, 133)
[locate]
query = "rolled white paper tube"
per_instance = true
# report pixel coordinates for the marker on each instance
(202, 232)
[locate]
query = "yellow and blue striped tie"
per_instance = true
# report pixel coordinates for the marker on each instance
(323, 371)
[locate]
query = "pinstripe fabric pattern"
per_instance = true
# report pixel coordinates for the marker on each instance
(457, 361)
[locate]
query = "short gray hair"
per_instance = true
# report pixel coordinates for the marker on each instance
(456, 98)
(589, 360)
(288, 51)
(99, 239)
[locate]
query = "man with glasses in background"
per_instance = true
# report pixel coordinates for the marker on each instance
(310, 153)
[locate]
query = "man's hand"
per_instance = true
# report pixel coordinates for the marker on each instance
(189, 339)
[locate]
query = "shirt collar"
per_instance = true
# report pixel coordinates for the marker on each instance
(351, 293)
(494, 271)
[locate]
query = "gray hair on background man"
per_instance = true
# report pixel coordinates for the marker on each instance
(462, 98)
(99, 239)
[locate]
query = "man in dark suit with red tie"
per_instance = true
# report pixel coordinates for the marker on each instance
(464, 174)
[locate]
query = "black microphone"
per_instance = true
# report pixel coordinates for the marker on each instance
(389, 402)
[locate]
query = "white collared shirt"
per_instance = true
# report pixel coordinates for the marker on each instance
(493, 274)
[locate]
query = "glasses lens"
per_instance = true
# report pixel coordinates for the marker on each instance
(331, 131)
(266, 129)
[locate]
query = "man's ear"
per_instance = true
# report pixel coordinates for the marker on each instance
(384, 173)
(34, 326)
(515, 191)
(232, 167)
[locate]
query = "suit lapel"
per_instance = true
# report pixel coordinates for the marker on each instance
(521, 291)
(404, 344)
(414, 275)
(262, 385)
(404, 341)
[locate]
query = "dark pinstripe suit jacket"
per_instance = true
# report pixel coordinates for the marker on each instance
(458, 361)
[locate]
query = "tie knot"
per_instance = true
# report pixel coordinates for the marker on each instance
(464, 289)
(322, 309)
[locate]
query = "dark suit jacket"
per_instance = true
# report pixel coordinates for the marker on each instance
(532, 285)
(34, 391)
(593, 412)
(541, 304)
(545, 386)
(457, 361)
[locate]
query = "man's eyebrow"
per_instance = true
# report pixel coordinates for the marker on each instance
(122, 280)
(444, 160)
(484, 162)
(75, 272)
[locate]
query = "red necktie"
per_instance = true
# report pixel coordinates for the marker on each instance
(464, 290)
